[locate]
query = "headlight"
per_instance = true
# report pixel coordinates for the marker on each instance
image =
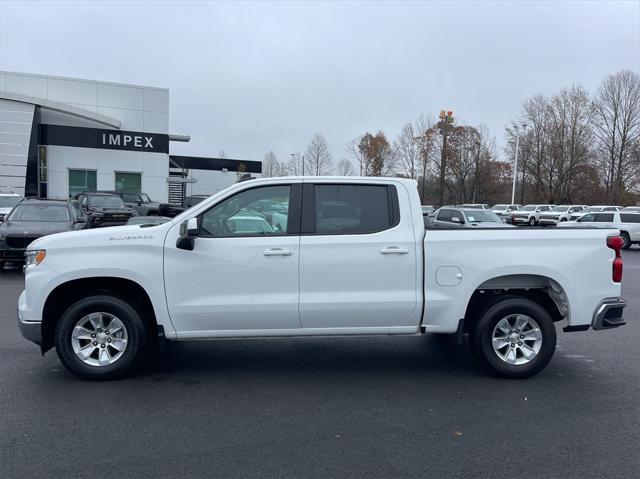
(34, 257)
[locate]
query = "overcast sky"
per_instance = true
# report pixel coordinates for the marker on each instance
(249, 77)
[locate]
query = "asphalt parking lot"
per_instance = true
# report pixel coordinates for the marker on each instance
(361, 407)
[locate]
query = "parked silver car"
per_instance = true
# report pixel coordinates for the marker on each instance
(627, 223)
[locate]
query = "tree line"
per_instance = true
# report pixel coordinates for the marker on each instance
(573, 147)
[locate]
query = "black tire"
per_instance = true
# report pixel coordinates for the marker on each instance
(626, 240)
(483, 333)
(2, 263)
(137, 337)
(563, 219)
(532, 221)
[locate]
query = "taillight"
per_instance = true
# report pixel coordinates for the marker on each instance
(615, 243)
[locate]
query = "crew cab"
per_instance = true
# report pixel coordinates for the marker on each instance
(354, 259)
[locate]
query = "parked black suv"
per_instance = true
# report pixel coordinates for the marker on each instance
(33, 218)
(105, 209)
(140, 202)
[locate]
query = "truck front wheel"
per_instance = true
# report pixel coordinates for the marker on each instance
(100, 337)
(515, 338)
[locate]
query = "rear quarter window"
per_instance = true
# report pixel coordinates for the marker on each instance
(630, 217)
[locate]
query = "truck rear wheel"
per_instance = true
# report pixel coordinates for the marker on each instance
(515, 338)
(100, 337)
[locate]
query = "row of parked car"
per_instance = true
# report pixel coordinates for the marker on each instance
(626, 219)
(22, 220)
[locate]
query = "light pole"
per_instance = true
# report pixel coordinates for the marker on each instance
(445, 125)
(515, 162)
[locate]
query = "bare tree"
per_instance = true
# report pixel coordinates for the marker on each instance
(293, 166)
(318, 159)
(354, 152)
(345, 168)
(270, 165)
(406, 151)
(617, 127)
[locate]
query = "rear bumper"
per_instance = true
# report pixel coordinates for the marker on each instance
(608, 314)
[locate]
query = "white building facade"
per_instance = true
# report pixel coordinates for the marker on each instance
(60, 136)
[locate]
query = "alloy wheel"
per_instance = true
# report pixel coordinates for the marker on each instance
(99, 339)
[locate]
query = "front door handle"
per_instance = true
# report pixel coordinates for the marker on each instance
(277, 252)
(394, 250)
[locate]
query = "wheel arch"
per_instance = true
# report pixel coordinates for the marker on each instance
(67, 293)
(541, 289)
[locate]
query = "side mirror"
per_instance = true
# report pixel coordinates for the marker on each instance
(188, 232)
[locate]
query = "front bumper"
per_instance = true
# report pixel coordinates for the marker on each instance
(31, 330)
(608, 314)
(517, 220)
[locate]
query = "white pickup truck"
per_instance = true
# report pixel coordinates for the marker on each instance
(353, 259)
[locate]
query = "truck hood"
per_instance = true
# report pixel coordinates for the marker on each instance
(103, 236)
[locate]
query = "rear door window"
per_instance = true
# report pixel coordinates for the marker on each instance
(354, 209)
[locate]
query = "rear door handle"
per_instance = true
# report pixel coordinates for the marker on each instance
(277, 252)
(394, 250)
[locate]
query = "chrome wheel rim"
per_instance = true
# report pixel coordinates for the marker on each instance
(99, 339)
(516, 339)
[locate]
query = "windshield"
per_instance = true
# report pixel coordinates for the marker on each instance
(9, 201)
(592, 209)
(559, 209)
(499, 207)
(48, 213)
(482, 216)
(106, 201)
(528, 208)
(145, 198)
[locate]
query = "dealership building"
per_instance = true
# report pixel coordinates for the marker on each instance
(60, 136)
